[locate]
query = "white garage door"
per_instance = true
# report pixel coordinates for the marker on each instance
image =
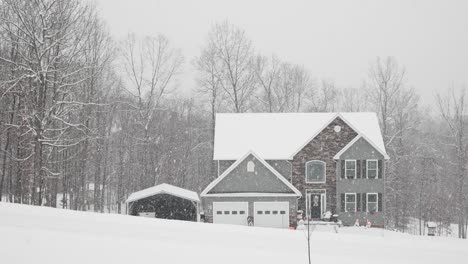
(234, 213)
(271, 214)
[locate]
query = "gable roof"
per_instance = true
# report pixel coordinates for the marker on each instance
(281, 135)
(296, 192)
(164, 189)
(343, 150)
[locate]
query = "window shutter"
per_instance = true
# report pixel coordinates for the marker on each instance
(364, 170)
(380, 169)
(358, 202)
(358, 169)
(342, 168)
(364, 202)
(342, 202)
(379, 206)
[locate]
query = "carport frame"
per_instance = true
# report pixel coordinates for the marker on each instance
(164, 189)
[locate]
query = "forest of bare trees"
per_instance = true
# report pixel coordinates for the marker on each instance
(87, 119)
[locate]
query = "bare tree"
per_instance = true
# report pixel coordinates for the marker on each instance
(386, 79)
(233, 63)
(209, 82)
(453, 110)
(268, 73)
(209, 87)
(353, 100)
(150, 65)
(51, 38)
(283, 86)
(396, 106)
(325, 98)
(294, 84)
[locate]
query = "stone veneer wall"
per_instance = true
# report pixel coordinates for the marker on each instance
(323, 147)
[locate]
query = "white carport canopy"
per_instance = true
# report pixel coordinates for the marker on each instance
(165, 189)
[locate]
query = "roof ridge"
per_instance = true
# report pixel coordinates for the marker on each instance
(280, 135)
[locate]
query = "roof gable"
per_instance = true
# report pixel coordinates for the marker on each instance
(261, 179)
(237, 180)
(362, 146)
(281, 135)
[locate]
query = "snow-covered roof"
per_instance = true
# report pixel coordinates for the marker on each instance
(164, 189)
(281, 135)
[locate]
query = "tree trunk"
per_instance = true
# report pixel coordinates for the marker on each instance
(7, 147)
(103, 182)
(81, 188)
(36, 198)
(97, 176)
(120, 175)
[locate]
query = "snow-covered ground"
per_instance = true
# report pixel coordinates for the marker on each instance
(31, 234)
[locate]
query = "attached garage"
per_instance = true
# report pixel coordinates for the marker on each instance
(271, 214)
(251, 189)
(234, 213)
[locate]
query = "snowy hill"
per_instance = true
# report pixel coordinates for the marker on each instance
(45, 235)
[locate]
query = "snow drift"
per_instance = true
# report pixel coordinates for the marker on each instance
(46, 235)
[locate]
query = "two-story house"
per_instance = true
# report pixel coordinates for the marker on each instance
(270, 166)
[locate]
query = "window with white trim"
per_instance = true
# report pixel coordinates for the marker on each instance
(250, 166)
(350, 202)
(372, 202)
(315, 171)
(350, 169)
(372, 169)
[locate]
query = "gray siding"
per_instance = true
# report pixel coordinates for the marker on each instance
(284, 167)
(359, 186)
(207, 203)
(361, 150)
(240, 180)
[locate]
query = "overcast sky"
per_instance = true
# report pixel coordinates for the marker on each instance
(332, 39)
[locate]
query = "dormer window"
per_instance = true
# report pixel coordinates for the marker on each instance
(250, 166)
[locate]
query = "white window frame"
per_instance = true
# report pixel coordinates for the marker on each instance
(346, 202)
(376, 168)
(324, 171)
(376, 202)
(346, 169)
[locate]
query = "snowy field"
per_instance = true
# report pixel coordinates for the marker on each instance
(44, 235)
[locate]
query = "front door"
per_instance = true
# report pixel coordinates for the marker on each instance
(315, 205)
